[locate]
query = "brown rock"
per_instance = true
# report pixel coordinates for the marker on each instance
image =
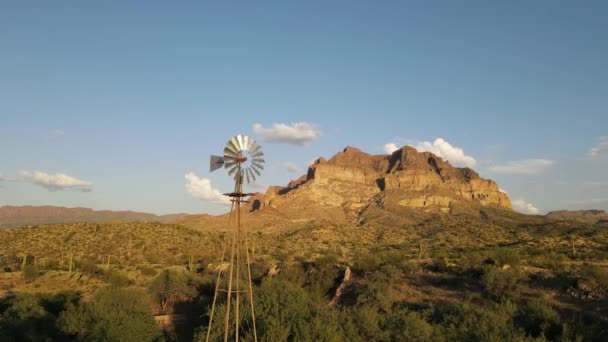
(351, 180)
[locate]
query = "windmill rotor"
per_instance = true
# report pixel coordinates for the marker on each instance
(242, 158)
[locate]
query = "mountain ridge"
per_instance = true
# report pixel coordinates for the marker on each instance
(14, 216)
(354, 179)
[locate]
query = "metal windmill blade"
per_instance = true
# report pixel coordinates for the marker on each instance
(215, 163)
(241, 153)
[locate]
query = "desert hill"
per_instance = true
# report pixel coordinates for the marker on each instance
(14, 216)
(588, 216)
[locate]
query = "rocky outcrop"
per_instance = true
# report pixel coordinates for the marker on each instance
(352, 179)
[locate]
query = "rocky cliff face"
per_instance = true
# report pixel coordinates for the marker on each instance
(353, 180)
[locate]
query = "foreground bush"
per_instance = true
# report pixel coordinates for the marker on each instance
(113, 314)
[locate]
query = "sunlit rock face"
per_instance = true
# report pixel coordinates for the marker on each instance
(353, 180)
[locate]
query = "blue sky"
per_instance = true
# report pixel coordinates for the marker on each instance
(127, 99)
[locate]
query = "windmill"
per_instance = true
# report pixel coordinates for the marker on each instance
(243, 160)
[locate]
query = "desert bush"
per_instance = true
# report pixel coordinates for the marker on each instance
(153, 259)
(89, 267)
(406, 325)
(286, 312)
(505, 256)
(593, 281)
(296, 273)
(440, 253)
(465, 322)
(170, 286)
(320, 281)
(118, 279)
(30, 272)
(367, 319)
(366, 262)
(538, 318)
(472, 260)
(147, 270)
(503, 284)
(325, 260)
(113, 314)
(410, 267)
(552, 261)
(376, 293)
(31, 317)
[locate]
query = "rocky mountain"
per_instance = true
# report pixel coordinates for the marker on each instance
(354, 180)
(14, 216)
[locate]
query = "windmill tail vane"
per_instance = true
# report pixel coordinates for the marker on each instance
(243, 160)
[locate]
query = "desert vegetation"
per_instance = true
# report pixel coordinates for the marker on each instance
(438, 280)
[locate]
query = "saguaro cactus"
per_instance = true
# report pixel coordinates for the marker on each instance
(70, 263)
(23, 261)
(191, 263)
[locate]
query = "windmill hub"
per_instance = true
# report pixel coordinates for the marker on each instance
(242, 157)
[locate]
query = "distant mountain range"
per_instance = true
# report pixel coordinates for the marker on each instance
(15, 216)
(588, 216)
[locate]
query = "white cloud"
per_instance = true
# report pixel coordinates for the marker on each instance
(291, 167)
(299, 133)
(447, 151)
(599, 149)
(503, 191)
(56, 133)
(390, 148)
(523, 167)
(55, 182)
(522, 206)
(201, 188)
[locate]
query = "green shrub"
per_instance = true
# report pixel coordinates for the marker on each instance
(366, 262)
(30, 317)
(30, 272)
(405, 325)
(89, 267)
(593, 281)
(503, 284)
(113, 314)
(169, 286)
(285, 311)
(147, 270)
(540, 319)
(465, 322)
(410, 267)
(326, 260)
(505, 256)
(118, 279)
